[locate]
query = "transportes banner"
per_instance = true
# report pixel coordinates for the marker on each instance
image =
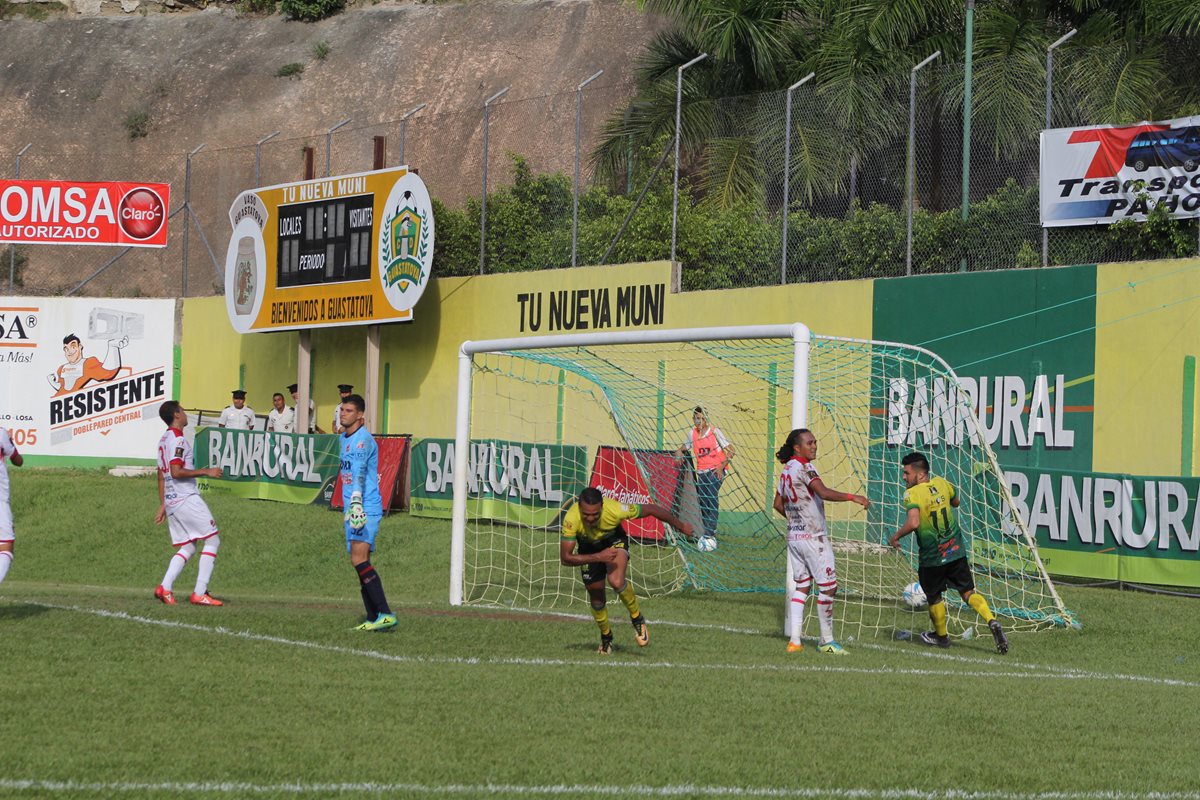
(1104, 174)
(79, 212)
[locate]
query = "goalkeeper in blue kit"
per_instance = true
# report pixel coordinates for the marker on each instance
(364, 509)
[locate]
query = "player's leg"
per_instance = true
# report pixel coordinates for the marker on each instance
(360, 544)
(208, 560)
(178, 561)
(800, 589)
(933, 583)
(191, 522)
(6, 540)
(593, 582)
(963, 581)
(618, 579)
(6, 557)
(825, 571)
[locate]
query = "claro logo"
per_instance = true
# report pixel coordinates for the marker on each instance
(141, 213)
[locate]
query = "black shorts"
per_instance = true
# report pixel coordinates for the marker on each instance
(956, 575)
(591, 573)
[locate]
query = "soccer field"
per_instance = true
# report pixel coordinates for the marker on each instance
(107, 693)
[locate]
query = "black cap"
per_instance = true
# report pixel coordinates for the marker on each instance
(293, 387)
(239, 394)
(697, 410)
(345, 388)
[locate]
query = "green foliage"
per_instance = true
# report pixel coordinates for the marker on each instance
(37, 12)
(320, 50)
(137, 124)
(257, 6)
(292, 70)
(14, 259)
(311, 10)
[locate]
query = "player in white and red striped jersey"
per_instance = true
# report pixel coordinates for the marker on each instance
(8, 453)
(187, 515)
(801, 498)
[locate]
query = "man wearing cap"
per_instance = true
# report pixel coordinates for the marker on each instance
(344, 390)
(281, 419)
(239, 416)
(312, 408)
(712, 452)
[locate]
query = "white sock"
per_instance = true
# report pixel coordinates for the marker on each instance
(6, 558)
(825, 616)
(208, 560)
(796, 610)
(176, 565)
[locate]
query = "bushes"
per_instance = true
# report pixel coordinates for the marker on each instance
(310, 10)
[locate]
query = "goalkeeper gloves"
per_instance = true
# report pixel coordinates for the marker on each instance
(355, 515)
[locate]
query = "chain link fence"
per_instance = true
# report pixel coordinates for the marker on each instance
(761, 203)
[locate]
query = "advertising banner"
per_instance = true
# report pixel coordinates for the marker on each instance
(85, 377)
(347, 250)
(519, 482)
(1104, 174)
(393, 463)
(78, 212)
(289, 467)
(1112, 527)
(618, 474)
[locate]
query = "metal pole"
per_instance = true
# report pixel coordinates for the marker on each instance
(483, 198)
(912, 149)
(12, 248)
(966, 135)
(404, 129)
(787, 168)
(329, 143)
(1049, 98)
(678, 116)
(187, 199)
(578, 125)
(258, 156)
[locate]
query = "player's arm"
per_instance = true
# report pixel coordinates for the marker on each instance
(911, 523)
(663, 515)
(162, 502)
(179, 471)
(15, 458)
(829, 495)
(778, 505)
(569, 558)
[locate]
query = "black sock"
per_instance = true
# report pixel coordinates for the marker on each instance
(372, 587)
(367, 604)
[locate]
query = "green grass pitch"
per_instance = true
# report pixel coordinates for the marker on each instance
(107, 693)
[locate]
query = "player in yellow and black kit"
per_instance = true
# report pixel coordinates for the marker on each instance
(942, 549)
(593, 539)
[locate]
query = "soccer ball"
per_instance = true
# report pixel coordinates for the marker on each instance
(706, 544)
(914, 595)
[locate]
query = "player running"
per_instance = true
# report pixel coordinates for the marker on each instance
(801, 498)
(187, 515)
(364, 509)
(942, 559)
(593, 525)
(8, 452)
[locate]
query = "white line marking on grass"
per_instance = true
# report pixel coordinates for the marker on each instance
(595, 663)
(493, 789)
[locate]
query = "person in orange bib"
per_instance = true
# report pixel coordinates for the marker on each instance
(712, 452)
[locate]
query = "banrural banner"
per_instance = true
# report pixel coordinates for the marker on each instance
(519, 482)
(85, 377)
(347, 250)
(78, 212)
(1112, 527)
(1103, 174)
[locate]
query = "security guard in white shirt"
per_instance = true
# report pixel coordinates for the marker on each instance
(239, 416)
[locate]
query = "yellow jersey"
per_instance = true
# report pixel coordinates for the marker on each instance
(939, 540)
(612, 514)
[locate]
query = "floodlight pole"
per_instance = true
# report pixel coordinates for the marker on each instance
(483, 198)
(912, 149)
(787, 168)
(678, 122)
(329, 143)
(258, 157)
(575, 202)
(1049, 98)
(404, 128)
(12, 248)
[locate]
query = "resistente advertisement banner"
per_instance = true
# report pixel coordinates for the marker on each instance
(348, 250)
(85, 377)
(1112, 527)
(1103, 174)
(520, 482)
(80, 212)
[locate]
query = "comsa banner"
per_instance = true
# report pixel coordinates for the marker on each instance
(1104, 174)
(290, 467)
(1110, 526)
(520, 482)
(79, 212)
(85, 377)
(349, 250)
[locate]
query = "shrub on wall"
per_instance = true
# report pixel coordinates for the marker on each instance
(311, 10)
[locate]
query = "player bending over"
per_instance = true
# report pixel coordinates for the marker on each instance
(594, 540)
(942, 559)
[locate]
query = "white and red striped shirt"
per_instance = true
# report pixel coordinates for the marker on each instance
(805, 511)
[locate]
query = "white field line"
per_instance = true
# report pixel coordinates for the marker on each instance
(588, 790)
(593, 663)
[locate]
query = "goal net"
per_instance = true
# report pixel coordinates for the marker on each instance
(541, 419)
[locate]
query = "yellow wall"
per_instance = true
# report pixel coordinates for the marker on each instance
(423, 354)
(1139, 363)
